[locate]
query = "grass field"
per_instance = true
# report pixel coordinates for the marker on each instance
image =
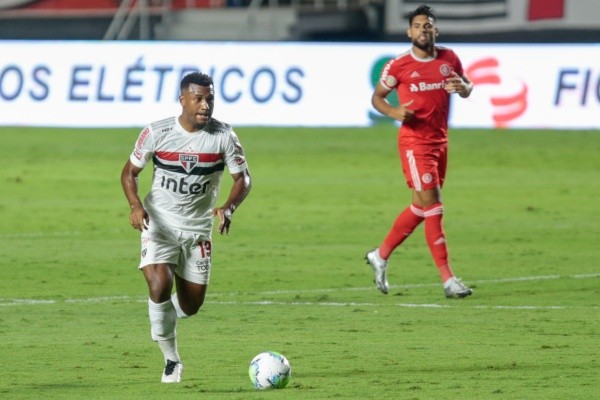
(521, 220)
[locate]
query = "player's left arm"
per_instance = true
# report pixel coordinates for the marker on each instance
(242, 183)
(459, 84)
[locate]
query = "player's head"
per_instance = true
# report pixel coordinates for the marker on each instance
(196, 78)
(197, 99)
(422, 29)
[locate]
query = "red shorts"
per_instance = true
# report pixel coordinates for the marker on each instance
(424, 166)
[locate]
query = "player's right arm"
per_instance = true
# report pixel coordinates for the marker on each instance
(138, 218)
(401, 113)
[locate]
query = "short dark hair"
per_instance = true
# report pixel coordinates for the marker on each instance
(421, 10)
(196, 78)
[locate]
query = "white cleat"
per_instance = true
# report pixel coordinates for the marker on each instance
(379, 268)
(172, 372)
(454, 288)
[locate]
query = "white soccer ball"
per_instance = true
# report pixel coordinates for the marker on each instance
(270, 370)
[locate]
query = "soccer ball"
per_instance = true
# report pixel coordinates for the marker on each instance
(270, 370)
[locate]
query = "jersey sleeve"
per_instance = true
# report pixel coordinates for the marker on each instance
(143, 149)
(458, 68)
(234, 154)
(387, 78)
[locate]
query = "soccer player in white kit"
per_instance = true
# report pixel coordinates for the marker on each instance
(189, 153)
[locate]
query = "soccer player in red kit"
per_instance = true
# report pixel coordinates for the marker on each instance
(424, 78)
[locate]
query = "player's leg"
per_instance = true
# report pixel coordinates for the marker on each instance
(411, 216)
(429, 169)
(192, 274)
(433, 212)
(403, 226)
(163, 317)
(438, 246)
(189, 297)
(432, 172)
(159, 256)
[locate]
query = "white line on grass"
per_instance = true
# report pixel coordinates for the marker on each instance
(412, 286)
(129, 299)
(404, 305)
(58, 234)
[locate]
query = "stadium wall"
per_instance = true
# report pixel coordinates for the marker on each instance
(128, 84)
(475, 17)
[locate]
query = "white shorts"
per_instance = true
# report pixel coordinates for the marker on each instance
(189, 251)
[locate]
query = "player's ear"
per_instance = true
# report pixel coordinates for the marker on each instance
(181, 100)
(408, 33)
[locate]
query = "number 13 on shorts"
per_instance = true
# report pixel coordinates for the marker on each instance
(205, 247)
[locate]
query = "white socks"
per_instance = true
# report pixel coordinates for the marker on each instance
(178, 309)
(163, 319)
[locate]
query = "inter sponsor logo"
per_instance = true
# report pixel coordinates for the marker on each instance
(181, 186)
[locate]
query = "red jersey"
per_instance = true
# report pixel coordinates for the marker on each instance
(423, 81)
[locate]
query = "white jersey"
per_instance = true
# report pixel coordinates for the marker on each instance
(187, 171)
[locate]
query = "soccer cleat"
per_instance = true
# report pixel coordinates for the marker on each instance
(379, 268)
(454, 288)
(172, 372)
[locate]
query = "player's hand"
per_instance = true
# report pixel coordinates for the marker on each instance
(139, 218)
(455, 84)
(224, 215)
(402, 112)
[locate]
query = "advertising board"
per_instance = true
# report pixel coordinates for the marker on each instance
(127, 84)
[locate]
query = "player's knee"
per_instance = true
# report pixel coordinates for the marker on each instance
(194, 308)
(159, 293)
(159, 285)
(191, 307)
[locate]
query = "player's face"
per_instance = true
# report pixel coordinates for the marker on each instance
(197, 104)
(422, 32)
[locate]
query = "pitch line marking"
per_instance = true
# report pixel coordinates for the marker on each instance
(124, 299)
(412, 286)
(127, 299)
(404, 305)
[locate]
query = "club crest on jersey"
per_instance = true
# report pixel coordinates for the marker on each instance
(445, 69)
(188, 161)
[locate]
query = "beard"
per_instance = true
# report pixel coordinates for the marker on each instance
(423, 45)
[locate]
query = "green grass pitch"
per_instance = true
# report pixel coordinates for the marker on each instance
(523, 230)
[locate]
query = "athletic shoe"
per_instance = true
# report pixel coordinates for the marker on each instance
(379, 268)
(454, 288)
(172, 372)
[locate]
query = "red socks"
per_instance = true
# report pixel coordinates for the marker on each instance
(404, 225)
(436, 239)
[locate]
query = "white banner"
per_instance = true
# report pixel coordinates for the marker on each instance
(129, 84)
